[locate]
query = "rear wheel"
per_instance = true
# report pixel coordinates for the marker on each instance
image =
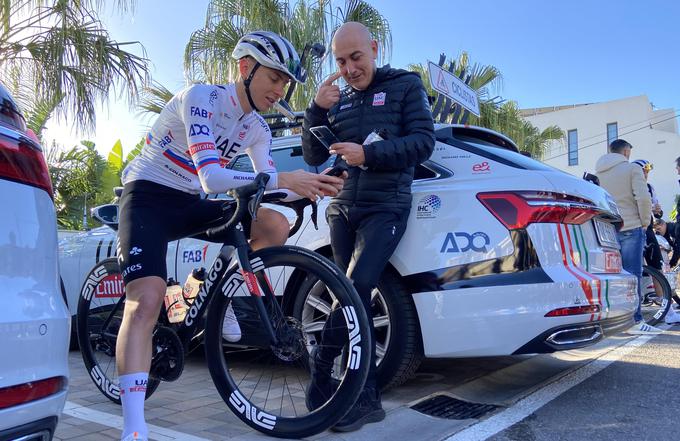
(656, 295)
(100, 313)
(267, 384)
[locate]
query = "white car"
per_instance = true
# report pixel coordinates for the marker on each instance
(34, 320)
(502, 255)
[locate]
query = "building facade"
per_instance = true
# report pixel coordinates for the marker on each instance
(589, 128)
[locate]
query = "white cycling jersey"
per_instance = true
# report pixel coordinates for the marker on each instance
(198, 132)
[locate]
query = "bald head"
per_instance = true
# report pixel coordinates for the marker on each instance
(355, 53)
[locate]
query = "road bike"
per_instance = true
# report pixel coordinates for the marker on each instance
(263, 377)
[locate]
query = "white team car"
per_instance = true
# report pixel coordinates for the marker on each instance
(34, 320)
(502, 255)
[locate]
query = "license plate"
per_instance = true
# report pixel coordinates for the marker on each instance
(612, 262)
(606, 234)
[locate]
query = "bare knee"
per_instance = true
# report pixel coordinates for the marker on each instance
(270, 229)
(143, 302)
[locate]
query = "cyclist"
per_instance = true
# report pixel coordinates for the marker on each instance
(652, 250)
(199, 131)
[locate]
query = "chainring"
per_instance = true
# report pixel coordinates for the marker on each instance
(167, 361)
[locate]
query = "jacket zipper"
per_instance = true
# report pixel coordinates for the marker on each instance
(361, 127)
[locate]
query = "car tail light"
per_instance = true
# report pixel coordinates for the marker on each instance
(35, 390)
(574, 310)
(23, 161)
(516, 210)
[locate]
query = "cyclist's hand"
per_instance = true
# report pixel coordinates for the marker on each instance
(310, 185)
(328, 93)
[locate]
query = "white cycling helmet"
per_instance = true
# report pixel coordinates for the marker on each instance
(270, 50)
(273, 51)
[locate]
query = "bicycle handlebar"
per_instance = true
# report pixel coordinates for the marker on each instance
(250, 197)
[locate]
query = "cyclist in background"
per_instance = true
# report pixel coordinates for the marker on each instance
(198, 132)
(652, 250)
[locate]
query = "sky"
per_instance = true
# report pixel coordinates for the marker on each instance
(549, 53)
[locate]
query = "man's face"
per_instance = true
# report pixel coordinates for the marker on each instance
(267, 86)
(626, 152)
(660, 229)
(355, 57)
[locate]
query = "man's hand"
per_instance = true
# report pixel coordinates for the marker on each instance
(310, 185)
(328, 93)
(351, 152)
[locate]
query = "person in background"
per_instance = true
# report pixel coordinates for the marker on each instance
(626, 183)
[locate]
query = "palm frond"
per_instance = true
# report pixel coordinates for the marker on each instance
(154, 98)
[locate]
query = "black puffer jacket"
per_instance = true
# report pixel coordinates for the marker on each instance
(395, 102)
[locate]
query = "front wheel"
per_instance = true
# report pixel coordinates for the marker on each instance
(266, 384)
(100, 313)
(656, 295)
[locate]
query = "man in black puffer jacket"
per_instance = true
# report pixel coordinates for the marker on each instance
(368, 216)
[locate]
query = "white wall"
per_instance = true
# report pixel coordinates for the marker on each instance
(659, 143)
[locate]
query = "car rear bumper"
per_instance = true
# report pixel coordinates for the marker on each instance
(41, 430)
(576, 335)
(32, 417)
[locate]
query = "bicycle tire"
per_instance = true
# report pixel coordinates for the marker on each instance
(235, 373)
(657, 298)
(101, 291)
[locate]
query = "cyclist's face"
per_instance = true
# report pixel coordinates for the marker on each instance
(267, 87)
(355, 57)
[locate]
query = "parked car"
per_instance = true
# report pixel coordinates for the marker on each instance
(502, 255)
(34, 320)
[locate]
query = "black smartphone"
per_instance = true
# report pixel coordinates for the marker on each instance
(324, 135)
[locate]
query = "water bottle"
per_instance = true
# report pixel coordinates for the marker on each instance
(174, 302)
(193, 285)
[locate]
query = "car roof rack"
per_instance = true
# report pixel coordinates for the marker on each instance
(278, 123)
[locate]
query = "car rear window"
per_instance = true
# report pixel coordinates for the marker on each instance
(500, 154)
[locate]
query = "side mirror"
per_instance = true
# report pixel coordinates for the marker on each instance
(106, 214)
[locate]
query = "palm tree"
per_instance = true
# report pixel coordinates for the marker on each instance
(77, 181)
(58, 59)
(207, 57)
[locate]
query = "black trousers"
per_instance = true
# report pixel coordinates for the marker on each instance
(363, 240)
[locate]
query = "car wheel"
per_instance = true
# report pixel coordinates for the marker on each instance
(399, 348)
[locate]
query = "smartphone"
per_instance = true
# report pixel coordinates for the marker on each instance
(324, 135)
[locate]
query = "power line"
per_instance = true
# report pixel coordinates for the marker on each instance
(619, 135)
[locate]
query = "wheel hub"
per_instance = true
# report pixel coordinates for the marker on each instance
(291, 340)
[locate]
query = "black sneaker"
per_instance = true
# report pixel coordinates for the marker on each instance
(367, 409)
(322, 386)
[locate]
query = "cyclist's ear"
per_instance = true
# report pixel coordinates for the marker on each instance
(245, 65)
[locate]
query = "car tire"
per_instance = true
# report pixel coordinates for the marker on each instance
(400, 336)
(404, 351)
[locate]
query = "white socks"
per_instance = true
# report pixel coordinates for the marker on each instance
(132, 394)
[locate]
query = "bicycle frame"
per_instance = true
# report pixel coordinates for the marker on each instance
(235, 241)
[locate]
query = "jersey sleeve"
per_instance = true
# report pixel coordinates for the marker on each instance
(260, 153)
(197, 110)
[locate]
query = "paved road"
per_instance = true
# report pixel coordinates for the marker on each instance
(619, 389)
